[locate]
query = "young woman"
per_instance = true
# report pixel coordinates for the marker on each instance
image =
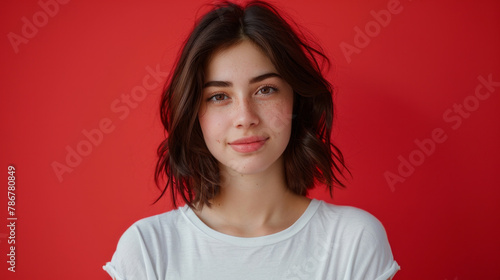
(249, 116)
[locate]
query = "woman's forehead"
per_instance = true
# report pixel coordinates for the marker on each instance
(244, 59)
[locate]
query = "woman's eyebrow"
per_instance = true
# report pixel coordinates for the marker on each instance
(229, 84)
(217, 84)
(263, 77)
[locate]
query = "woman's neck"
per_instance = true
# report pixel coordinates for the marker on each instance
(254, 204)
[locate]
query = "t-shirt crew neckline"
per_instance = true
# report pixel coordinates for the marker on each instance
(254, 241)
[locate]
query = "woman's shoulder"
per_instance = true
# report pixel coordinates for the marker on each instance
(155, 226)
(161, 219)
(350, 220)
(143, 244)
(357, 231)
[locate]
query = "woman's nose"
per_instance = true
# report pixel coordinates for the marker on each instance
(245, 114)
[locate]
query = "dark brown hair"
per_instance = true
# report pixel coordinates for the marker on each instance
(310, 157)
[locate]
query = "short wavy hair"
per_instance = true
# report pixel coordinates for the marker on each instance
(310, 157)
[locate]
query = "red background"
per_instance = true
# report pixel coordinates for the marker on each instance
(442, 221)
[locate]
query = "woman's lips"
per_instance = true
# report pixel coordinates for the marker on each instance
(248, 144)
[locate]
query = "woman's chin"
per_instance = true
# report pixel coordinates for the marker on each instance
(249, 167)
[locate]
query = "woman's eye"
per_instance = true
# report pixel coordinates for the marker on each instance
(267, 90)
(218, 97)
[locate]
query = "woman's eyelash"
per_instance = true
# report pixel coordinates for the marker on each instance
(271, 87)
(214, 97)
(218, 97)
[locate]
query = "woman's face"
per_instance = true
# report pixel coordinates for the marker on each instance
(246, 110)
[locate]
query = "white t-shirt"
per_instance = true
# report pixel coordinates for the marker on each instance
(326, 242)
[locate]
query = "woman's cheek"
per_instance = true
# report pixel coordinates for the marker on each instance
(205, 123)
(281, 116)
(212, 128)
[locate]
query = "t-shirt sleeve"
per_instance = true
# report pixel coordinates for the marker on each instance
(131, 260)
(373, 255)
